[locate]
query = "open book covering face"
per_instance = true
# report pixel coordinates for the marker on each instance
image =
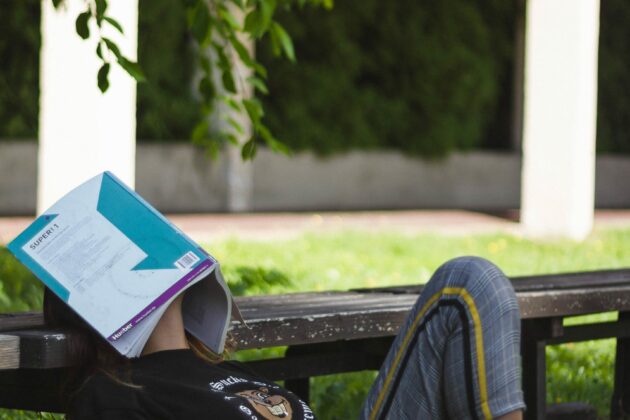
(116, 260)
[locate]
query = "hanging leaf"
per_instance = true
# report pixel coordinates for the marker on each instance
(200, 23)
(254, 110)
(271, 141)
(253, 23)
(232, 139)
(101, 6)
(284, 39)
(228, 18)
(99, 50)
(258, 84)
(232, 103)
(235, 125)
(258, 20)
(132, 68)
(267, 9)
(114, 23)
(102, 78)
(111, 46)
(260, 69)
(249, 149)
(57, 3)
(200, 131)
(228, 81)
(242, 51)
(81, 25)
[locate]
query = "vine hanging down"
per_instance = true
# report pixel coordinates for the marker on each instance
(219, 33)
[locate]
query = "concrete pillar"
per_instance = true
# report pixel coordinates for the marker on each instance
(82, 131)
(560, 115)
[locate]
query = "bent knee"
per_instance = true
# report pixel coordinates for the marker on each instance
(475, 273)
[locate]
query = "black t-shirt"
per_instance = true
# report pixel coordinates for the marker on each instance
(176, 384)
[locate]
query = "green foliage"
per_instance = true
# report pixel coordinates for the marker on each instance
(219, 32)
(166, 107)
(613, 105)
(19, 72)
(340, 397)
(19, 289)
(422, 77)
(582, 372)
(246, 280)
(25, 415)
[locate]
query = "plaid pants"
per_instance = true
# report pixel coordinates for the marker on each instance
(457, 355)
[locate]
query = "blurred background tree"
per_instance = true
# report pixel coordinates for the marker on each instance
(425, 78)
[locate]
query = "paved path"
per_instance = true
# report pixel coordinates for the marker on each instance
(270, 226)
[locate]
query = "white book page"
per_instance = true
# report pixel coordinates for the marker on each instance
(206, 310)
(132, 342)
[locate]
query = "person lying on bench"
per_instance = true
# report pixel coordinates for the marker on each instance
(456, 356)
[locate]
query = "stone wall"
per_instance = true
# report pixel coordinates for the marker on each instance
(180, 178)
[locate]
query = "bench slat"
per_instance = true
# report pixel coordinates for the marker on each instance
(329, 324)
(301, 318)
(9, 352)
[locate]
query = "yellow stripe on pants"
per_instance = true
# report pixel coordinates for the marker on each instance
(472, 308)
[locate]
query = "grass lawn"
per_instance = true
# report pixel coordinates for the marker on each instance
(345, 260)
(576, 372)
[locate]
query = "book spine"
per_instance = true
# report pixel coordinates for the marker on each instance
(172, 291)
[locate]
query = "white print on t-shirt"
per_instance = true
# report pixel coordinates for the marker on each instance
(308, 413)
(222, 383)
(248, 412)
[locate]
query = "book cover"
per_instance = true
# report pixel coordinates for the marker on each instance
(118, 262)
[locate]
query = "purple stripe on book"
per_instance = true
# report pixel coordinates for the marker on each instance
(160, 300)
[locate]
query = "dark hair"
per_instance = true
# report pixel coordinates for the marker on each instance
(90, 353)
(86, 349)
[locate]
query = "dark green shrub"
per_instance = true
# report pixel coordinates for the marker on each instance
(613, 105)
(422, 77)
(166, 108)
(19, 68)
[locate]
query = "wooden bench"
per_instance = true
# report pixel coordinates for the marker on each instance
(334, 332)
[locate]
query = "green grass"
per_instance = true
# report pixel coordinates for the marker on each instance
(353, 259)
(346, 260)
(576, 372)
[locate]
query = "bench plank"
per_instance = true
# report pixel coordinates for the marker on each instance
(9, 352)
(347, 316)
(312, 317)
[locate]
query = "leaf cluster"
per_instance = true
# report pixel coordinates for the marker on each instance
(217, 29)
(224, 31)
(106, 49)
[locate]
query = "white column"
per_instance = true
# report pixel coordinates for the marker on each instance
(82, 131)
(560, 116)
